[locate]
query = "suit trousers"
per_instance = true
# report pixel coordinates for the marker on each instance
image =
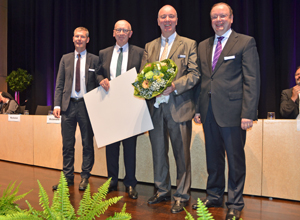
(217, 141)
(180, 136)
(112, 161)
(77, 113)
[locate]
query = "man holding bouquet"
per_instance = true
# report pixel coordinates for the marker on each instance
(173, 110)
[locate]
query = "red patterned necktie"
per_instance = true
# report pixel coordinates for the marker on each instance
(218, 51)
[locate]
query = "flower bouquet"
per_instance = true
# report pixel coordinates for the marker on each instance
(154, 78)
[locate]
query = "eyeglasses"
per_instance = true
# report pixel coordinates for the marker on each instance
(125, 31)
(215, 17)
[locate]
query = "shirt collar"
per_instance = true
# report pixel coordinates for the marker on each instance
(171, 38)
(226, 35)
(125, 47)
(82, 54)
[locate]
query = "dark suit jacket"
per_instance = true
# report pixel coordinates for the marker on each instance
(65, 76)
(182, 104)
(134, 60)
(235, 82)
(288, 108)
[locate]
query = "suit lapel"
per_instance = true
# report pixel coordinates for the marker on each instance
(156, 52)
(130, 56)
(233, 38)
(177, 42)
(107, 63)
(87, 65)
(72, 73)
(209, 49)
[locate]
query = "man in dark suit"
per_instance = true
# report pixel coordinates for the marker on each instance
(228, 101)
(172, 118)
(114, 61)
(76, 76)
(289, 103)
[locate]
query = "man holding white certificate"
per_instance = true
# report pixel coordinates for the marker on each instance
(114, 61)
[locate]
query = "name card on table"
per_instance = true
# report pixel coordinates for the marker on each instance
(51, 119)
(15, 118)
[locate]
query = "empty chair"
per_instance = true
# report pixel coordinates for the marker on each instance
(42, 109)
(22, 108)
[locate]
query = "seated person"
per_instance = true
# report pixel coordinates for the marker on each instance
(1, 102)
(289, 103)
(10, 105)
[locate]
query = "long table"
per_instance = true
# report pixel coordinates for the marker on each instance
(272, 154)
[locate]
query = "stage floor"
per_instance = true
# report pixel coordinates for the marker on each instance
(258, 208)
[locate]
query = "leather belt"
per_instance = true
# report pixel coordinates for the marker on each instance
(76, 99)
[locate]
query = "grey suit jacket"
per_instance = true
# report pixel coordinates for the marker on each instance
(134, 60)
(65, 76)
(184, 54)
(235, 82)
(288, 108)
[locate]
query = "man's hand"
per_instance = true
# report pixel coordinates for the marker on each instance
(56, 112)
(296, 91)
(197, 118)
(169, 90)
(246, 123)
(105, 84)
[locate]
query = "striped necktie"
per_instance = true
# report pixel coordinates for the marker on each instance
(218, 51)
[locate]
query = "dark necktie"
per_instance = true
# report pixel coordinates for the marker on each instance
(77, 82)
(119, 62)
(218, 51)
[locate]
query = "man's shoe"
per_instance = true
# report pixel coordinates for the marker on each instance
(83, 184)
(233, 213)
(69, 181)
(178, 206)
(207, 203)
(132, 193)
(156, 198)
(112, 188)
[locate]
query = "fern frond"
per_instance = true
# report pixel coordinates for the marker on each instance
(8, 198)
(44, 201)
(20, 216)
(35, 212)
(61, 202)
(120, 215)
(99, 207)
(86, 202)
(202, 211)
(188, 215)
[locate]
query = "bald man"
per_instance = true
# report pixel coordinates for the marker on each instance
(127, 56)
(173, 119)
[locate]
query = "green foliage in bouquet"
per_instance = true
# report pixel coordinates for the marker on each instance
(19, 80)
(154, 78)
(202, 212)
(61, 208)
(8, 199)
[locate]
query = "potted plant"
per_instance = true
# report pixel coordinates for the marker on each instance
(18, 80)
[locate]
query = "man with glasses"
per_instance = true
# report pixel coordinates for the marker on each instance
(114, 61)
(227, 106)
(172, 119)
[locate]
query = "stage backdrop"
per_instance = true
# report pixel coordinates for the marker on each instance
(40, 32)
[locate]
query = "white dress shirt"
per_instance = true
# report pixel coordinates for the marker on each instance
(82, 91)
(223, 42)
(114, 60)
